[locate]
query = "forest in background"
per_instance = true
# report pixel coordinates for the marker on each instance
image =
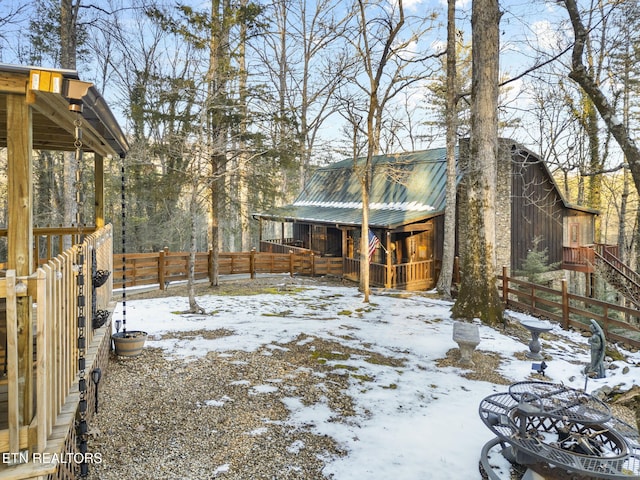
(229, 105)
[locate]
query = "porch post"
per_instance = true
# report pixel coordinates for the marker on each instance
(387, 249)
(98, 174)
(20, 236)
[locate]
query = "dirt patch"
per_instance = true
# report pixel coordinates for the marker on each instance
(241, 285)
(485, 366)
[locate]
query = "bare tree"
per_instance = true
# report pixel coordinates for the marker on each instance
(385, 67)
(446, 272)
(581, 75)
(304, 58)
(478, 297)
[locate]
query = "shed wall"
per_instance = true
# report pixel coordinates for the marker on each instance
(536, 209)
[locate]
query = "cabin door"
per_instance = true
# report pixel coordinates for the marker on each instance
(574, 235)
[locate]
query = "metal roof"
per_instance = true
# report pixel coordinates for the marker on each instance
(405, 188)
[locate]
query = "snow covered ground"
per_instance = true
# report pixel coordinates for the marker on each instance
(415, 421)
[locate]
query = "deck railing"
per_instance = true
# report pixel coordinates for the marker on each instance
(51, 241)
(287, 245)
(53, 288)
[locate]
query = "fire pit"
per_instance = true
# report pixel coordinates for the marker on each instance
(547, 426)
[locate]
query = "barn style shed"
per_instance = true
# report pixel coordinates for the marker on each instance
(48, 342)
(407, 214)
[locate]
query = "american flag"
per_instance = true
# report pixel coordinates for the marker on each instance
(374, 242)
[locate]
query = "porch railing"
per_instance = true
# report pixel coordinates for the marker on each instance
(51, 241)
(53, 288)
(409, 276)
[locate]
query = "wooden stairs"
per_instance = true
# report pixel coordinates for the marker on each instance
(618, 274)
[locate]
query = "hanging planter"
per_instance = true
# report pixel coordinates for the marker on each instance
(100, 277)
(129, 343)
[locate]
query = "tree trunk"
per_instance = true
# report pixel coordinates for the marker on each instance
(446, 272)
(217, 82)
(243, 162)
(193, 249)
(478, 296)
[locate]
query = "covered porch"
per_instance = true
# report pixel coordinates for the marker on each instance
(48, 282)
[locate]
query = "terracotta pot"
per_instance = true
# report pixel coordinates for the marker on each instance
(130, 343)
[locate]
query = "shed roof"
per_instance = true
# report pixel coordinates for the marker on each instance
(53, 122)
(405, 188)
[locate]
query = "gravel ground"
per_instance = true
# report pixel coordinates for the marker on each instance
(169, 419)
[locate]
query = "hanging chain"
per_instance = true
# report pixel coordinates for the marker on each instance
(124, 249)
(81, 303)
(78, 185)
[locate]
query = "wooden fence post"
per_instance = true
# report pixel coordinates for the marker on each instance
(505, 286)
(291, 263)
(565, 304)
(313, 265)
(210, 265)
(252, 263)
(161, 267)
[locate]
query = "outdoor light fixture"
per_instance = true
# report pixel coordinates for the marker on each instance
(539, 367)
(96, 375)
(118, 323)
(74, 90)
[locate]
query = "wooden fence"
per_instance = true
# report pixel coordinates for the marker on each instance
(620, 323)
(164, 267)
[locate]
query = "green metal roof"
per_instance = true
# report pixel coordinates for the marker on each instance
(405, 188)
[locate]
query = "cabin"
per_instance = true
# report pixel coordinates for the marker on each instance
(52, 350)
(407, 207)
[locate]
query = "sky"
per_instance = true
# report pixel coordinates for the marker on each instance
(521, 24)
(428, 426)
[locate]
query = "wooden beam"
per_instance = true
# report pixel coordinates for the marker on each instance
(13, 83)
(56, 108)
(13, 399)
(98, 173)
(414, 227)
(43, 336)
(20, 188)
(20, 235)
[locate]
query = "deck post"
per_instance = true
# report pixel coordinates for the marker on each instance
(20, 235)
(13, 393)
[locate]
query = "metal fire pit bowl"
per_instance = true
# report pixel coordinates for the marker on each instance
(546, 424)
